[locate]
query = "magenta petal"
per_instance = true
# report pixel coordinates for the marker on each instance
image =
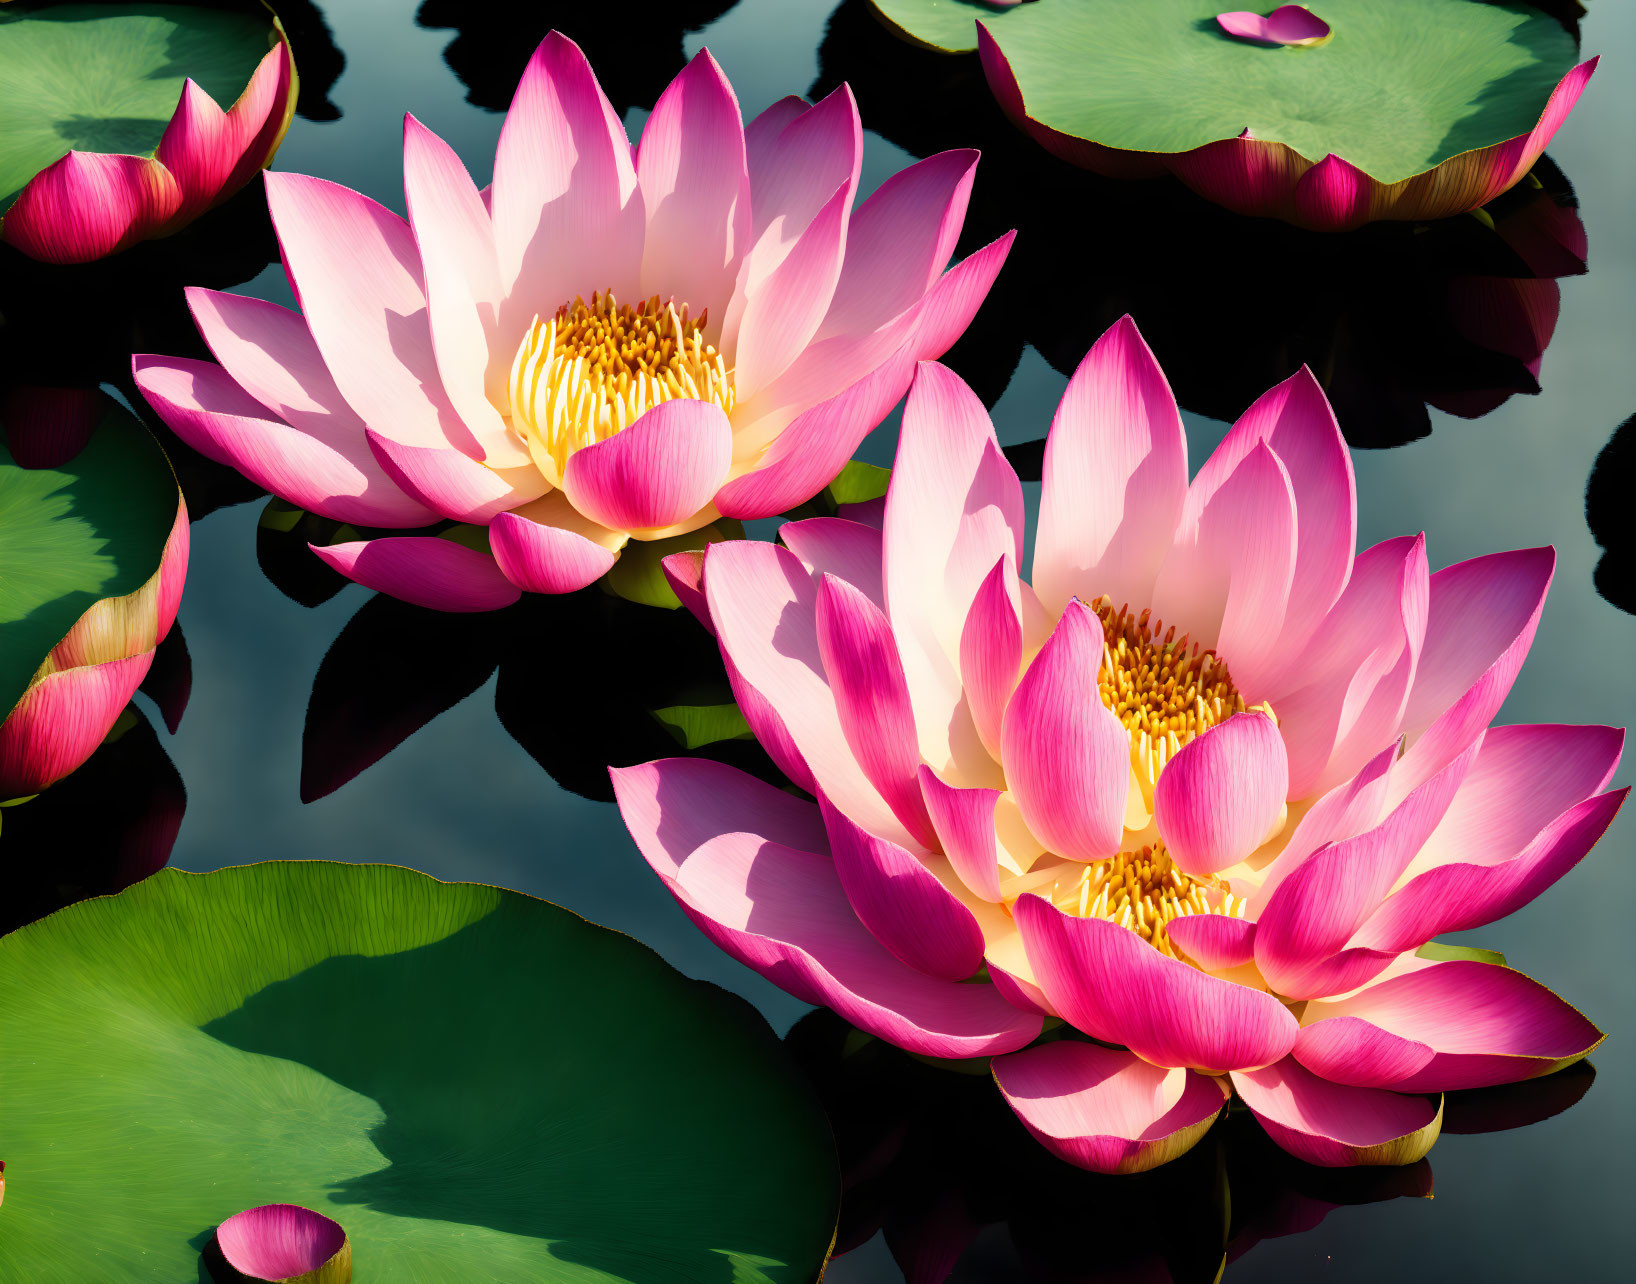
(991, 646)
(861, 661)
(1106, 1110)
(798, 155)
(839, 547)
(1459, 1024)
(451, 483)
(964, 820)
(1335, 1126)
(213, 153)
(1107, 981)
(902, 903)
(88, 205)
(61, 720)
(1218, 798)
(545, 558)
(684, 572)
(423, 570)
(1289, 24)
(722, 842)
(1066, 756)
(1333, 196)
(1115, 477)
(1215, 942)
(661, 470)
(280, 1242)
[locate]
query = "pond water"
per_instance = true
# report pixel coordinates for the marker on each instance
(462, 798)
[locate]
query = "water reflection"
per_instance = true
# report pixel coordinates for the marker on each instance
(1393, 319)
(636, 53)
(1607, 499)
(934, 1161)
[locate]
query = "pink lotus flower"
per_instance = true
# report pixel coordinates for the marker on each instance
(1200, 790)
(483, 363)
(92, 204)
(83, 685)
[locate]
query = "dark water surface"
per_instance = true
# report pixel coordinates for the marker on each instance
(462, 799)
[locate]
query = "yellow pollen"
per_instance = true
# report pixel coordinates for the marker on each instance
(1144, 891)
(596, 367)
(1164, 689)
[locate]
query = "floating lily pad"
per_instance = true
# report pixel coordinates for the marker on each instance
(78, 523)
(1399, 87)
(107, 77)
(475, 1084)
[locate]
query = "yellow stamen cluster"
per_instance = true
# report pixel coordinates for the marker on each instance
(596, 367)
(1144, 891)
(1164, 689)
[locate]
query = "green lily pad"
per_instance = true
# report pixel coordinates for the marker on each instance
(88, 528)
(107, 77)
(476, 1085)
(1400, 87)
(698, 725)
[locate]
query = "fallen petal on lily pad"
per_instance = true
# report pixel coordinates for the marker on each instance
(1289, 24)
(286, 1244)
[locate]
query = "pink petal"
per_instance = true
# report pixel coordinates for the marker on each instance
(548, 547)
(1312, 915)
(902, 903)
(769, 729)
(684, 572)
(455, 242)
(1214, 942)
(764, 605)
(61, 720)
(1458, 1024)
(88, 205)
(280, 1241)
(695, 188)
(661, 470)
(807, 454)
(424, 570)
(1335, 1126)
(1067, 758)
(964, 820)
(991, 647)
(452, 484)
(1333, 196)
(1219, 797)
(270, 353)
(900, 241)
(772, 318)
(1455, 897)
(1289, 24)
(797, 156)
(836, 546)
(1480, 622)
(1357, 669)
(1227, 579)
(1107, 981)
(354, 267)
(739, 856)
(213, 153)
(218, 418)
(1115, 477)
(954, 507)
(1106, 1110)
(865, 674)
(1296, 422)
(567, 209)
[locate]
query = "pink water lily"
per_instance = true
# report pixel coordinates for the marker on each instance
(92, 204)
(1200, 789)
(608, 344)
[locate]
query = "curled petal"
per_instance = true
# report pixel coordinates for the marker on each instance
(1107, 1110)
(1107, 981)
(424, 570)
(964, 820)
(285, 1242)
(61, 720)
(1458, 1024)
(549, 547)
(684, 572)
(991, 648)
(1219, 797)
(451, 483)
(1336, 1126)
(88, 205)
(1216, 942)
(836, 546)
(1289, 24)
(1067, 758)
(661, 470)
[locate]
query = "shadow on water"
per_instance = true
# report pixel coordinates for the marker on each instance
(494, 1117)
(985, 1201)
(636, 52)
(1392, 319)
(1607, 510)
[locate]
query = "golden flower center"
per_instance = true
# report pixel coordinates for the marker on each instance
(1164, 689)
(595, 368)
(1144, 891)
